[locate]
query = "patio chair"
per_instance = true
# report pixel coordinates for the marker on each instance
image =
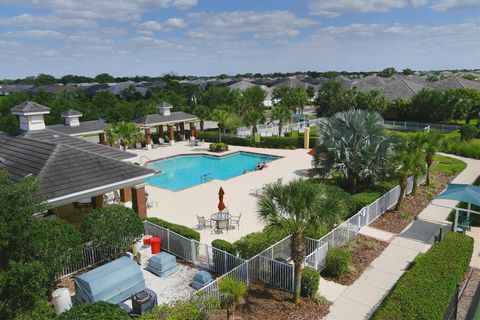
(199, 143)
(236, 220)
(202, 222)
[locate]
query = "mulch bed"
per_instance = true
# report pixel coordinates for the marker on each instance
(262, 302)
(364, 251)
(412, 206)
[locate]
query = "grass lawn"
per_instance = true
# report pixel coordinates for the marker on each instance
(449, 165)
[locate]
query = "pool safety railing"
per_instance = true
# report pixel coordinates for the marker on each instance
(205, 177)
(145, 163)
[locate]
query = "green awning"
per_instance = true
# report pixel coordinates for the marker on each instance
(461, 192)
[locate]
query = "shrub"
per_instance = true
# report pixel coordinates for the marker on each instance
(255, 242)
(338, 262)
(469, 149)
(41, 311)
(468, 132)
(180, 310)
(310, 282)
(224, 246)
(99, 310)
(425, 290)
(365, 198)
(177, 228)
(114, 227)
(218, 147)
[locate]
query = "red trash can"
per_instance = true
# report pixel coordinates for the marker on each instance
(147, 239)
(156, 244)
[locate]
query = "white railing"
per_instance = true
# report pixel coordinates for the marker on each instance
(416, 126)
(270, 130)
(91, 257)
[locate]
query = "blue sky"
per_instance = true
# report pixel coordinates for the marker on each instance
(209, 37)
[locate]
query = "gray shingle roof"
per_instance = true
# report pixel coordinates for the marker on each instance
(158, 119)
(94, 126)
(242, 85)
(50, 136)
(62, 169)
(454, 82)
(29, 106)
(71, 113)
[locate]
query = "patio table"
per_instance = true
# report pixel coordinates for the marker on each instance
(221, 219)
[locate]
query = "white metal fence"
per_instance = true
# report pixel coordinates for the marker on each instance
(416, 126)
(91, 257)
(269, 130)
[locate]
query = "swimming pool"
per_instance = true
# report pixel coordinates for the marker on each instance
(186, 171)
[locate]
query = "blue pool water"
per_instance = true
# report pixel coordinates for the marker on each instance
(185, 171)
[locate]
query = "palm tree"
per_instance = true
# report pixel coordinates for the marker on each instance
(253, 117)
(293, 207)
(354, 145)
(415, 145)
(125, 133)
(402, 167)
(221, 116)
(202, 112)
(433, 142)
(234, 290)
(281, 113)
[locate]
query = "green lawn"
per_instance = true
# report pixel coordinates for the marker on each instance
(448, 165)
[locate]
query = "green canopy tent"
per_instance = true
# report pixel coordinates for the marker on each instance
(467, 193)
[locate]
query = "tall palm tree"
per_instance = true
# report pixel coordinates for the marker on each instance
(353, 144)
(415, 145)
(402, 166)
(281, 113)
(293, 207)
(202, 112)
(221, 116)
(433, 142)
(234, 290)
(253, 117)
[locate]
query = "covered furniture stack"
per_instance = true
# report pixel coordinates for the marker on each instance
(201, 279)
(162, 264)
(113, 282)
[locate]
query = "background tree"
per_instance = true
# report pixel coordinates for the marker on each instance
(407, 72)
(464, 102)
(331, 98)
(234, 290)
(310, 92)
(387, 72)
(354, 145)
(402, 167)
(114, 227)
(430, 106)
(370, 101)
(202, 112)
(104, 78)
(294, 207)
(281, 113)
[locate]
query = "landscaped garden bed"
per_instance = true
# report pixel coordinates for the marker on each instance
(262, 302)
(443, 172)
(363, 251)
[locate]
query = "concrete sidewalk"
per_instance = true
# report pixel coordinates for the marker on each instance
(360, 300)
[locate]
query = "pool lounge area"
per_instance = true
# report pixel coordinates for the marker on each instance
(184, 171)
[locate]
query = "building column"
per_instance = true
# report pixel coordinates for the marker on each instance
(126, 197)
(193, 130)
(139, 200)
(160, 131)
(170, 134)
(101, 138)
(98, 201)
(148, 140)
(182, 130)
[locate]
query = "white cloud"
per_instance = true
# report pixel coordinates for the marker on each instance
(35, 34)
(119, 10)
(442, 5)
(149, 26)
(145, 41)
(45, 21)
(354, 29)
(334, 8)
(257, 24)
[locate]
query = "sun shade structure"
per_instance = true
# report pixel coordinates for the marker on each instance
(113, 282)
(461, 192)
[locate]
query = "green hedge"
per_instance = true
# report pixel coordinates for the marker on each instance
(266, 142)
(425, 290)
(181, 230)
(338, 262)
(255, 242)
(99, 310)
(224, 246)
(310, 282)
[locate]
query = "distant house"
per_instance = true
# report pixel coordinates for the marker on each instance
(73, 174)
(244, 85)
(54, 89)
(6, 89)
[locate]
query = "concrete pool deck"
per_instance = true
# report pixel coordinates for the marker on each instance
(183, 206)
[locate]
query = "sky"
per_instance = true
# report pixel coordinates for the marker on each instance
(210, 37)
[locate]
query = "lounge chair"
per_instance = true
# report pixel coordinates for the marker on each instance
(199, 143)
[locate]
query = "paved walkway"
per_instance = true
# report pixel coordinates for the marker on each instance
(360, 299)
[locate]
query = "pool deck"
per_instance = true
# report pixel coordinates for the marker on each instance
(183, 206)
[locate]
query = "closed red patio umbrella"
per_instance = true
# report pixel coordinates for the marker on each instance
(221, 205)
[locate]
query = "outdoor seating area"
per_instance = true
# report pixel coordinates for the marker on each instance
(219, 221)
